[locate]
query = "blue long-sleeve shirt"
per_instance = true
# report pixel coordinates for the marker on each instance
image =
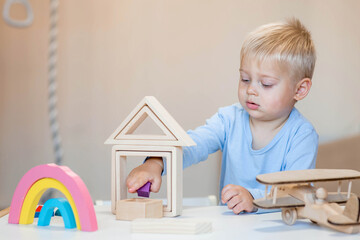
(293, 148)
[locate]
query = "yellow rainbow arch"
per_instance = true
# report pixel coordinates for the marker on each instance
(33, 197)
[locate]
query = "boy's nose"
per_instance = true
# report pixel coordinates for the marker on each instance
(251, 90)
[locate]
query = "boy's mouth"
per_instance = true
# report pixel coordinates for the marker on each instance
(252, 105)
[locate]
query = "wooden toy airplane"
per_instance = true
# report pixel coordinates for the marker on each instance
(294, 193)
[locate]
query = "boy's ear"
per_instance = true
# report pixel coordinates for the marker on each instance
(302, 88)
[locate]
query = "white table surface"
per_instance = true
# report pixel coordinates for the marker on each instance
(226, 226)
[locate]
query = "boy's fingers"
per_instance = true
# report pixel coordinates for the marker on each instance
(133, 187)
(229, 194)
(238, 208)
(136, 184)
(129, 182)
(242, 205)
(226, 188)
(155, 185)
(223, 192)
(234, 201)
(248, 206)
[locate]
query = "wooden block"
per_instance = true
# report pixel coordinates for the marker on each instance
(39, 207)
(38, 210)
(130, 209)
(171, 226)
(144, 191)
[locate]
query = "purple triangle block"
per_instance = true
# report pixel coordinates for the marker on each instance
(144, 191)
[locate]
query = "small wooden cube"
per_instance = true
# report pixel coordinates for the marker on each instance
(130, 209)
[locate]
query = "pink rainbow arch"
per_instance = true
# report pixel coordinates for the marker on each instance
(71, 181)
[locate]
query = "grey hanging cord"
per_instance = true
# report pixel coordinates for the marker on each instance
(52, 60)
(54, 126)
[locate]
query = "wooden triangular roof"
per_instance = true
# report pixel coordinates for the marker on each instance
(174, 134)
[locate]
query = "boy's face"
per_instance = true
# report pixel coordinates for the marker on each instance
(266, 91)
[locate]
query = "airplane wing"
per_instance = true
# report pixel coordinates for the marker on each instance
(281, 202)
(334, 197)
(342, 220)
(290, 201)
(308, 175)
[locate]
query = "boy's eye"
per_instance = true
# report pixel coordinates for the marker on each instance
(267, 85)
(245, 80)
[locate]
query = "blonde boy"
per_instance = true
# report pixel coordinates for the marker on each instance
(266, 133)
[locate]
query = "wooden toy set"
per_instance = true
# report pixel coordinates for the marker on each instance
(293, 191)
(167, 145)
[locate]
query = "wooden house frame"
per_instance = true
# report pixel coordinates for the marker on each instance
(169, 146)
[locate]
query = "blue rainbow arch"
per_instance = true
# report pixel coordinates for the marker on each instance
(65, 209)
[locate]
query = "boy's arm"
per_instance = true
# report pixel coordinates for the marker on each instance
(209, 138)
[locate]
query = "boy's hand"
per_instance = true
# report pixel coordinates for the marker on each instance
(149, 171)
(237, 198)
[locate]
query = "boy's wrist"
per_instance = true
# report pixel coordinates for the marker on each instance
(156, 161)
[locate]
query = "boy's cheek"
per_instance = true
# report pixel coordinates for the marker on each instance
(241, 94)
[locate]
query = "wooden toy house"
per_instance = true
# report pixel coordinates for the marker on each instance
(167, 145)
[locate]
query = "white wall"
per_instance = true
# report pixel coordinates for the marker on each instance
(186, 53)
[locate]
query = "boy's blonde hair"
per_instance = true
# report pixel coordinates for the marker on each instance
(289, 43)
